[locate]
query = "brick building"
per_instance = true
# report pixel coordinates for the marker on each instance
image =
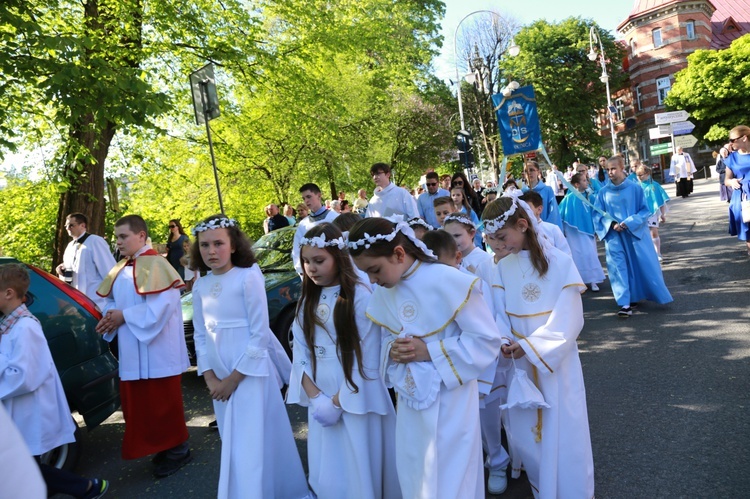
(658, 36)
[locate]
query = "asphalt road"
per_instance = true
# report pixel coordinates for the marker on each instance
(667, 388)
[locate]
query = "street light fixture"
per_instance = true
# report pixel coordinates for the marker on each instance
(595, 39)
(513, 50)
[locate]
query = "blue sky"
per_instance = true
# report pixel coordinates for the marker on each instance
(607, 14)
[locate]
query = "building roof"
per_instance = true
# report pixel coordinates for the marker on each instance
(730, 20)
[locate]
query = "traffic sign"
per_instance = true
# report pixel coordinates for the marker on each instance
(685, 141)
(670, 117)
(665, 130)
(655, 133)
(682, 127)
(657, 149)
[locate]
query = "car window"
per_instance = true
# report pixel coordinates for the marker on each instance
(274, 250)
(65, 323)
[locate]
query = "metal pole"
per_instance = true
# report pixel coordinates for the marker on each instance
(204, 84)
(594, 38)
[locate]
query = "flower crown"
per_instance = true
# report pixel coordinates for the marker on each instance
(320, 242)
(461, 218)
(418, 221)
(495, 224)
(401, 226)
(214, 223)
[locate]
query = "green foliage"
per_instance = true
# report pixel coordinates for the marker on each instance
(554, 58)
(712, 88)
(27, 220)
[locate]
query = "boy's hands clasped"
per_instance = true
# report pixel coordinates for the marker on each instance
(110, 322)
(409, 349)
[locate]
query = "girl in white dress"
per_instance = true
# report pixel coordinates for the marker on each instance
(438, 338)
(351, 420)
(244, 367)
(537, 293)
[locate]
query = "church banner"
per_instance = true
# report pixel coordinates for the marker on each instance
(518, 121)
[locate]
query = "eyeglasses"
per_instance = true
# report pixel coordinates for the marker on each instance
(731, 141)
(458, 182)
(172, 226)
(431, 184)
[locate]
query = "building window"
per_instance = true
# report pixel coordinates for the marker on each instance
(620, 105)
(690, 29)
(638, 98)
(633, 48)
(656, 36)
(662, 88)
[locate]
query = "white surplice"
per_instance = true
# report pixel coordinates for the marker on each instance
(356, 456)
(258, 455)
(545, 316)
(30, 388)
(438, 449)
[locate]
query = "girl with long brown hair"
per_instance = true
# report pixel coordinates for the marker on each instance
(335, 373)
(439, 337)
(537, 298)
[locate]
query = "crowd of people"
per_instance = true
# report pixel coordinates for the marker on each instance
(465, 301)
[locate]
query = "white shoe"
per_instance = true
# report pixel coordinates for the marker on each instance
(660, 258)
(594, 287)
(497, 482)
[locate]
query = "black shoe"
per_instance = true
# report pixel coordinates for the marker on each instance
(170, 466)
(159, 457)
(625, 312)
(213, 425)
(98, 488)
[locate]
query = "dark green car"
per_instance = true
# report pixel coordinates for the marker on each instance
(88, 370)
(283, 287)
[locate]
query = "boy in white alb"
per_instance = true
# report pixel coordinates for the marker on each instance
(30, 388)
(389, 199)
(312, 198)
(143, 310)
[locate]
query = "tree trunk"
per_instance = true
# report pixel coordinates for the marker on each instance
(86, 177)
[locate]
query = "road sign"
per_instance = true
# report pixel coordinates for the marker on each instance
(655, 133)
(685, 141)
(665, 130)
(671, 117)
(658, 149)
(682, 127)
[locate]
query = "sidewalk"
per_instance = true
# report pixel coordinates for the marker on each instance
(668, 387)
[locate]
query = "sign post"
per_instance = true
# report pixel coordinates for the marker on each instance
(668, 119)
(206, 106)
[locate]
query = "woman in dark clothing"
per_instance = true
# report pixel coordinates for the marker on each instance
(460, 180)
(725, 192)
(175, 241)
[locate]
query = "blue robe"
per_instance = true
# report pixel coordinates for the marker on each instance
(632, 263)
(655, 195)
(596, 186)
(740, 166)
(550, 212)
(575, 213)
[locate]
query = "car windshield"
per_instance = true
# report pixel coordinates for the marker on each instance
(274, 250)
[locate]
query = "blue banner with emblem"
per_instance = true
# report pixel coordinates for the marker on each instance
(518, 121)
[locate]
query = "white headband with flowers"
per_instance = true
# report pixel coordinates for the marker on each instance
(401, 226)
(418, 221)
(495, 224)
(461, 218)
(215, 223)
(321, 242)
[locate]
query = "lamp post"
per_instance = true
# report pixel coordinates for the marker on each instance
(594, 38)
(513, 50)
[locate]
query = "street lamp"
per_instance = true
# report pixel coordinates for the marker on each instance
(594, 38)
(513, 50)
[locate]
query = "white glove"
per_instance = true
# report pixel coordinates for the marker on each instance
(324, 412)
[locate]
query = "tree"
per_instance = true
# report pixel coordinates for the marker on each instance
(482, 43)
(712, 88)
(554, 58)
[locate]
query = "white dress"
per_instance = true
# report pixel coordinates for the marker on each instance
(356, 456)
(545, 316)
(259, 457)
(438, 447)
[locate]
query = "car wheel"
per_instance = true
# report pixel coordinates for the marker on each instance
(66, 456)
(283, 329)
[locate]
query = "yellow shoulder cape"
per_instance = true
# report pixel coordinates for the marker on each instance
(152, 274)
